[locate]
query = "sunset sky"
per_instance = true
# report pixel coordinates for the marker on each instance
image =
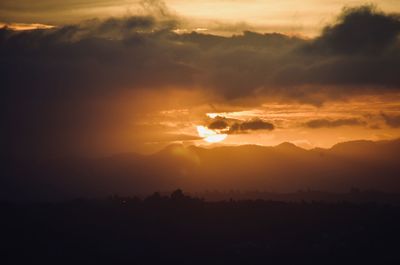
(304, 18)
(98, 77)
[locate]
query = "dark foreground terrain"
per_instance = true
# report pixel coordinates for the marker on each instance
(178, 229)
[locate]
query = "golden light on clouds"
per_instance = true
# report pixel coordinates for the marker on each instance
(25, 26)
(305, 125)
(305, 18)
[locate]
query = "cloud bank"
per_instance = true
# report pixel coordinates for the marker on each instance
(360, 50)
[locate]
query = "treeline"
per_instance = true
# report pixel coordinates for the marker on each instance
(177, 228)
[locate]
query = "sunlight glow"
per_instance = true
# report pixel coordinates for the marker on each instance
(210, 136)
(215, 138)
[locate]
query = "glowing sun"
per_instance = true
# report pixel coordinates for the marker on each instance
(210, 136)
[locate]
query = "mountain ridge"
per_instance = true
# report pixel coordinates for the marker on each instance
(285, 168)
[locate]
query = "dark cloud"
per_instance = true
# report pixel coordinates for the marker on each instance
(391, 120)
(360, 52)
(218, 124)
(235, 126)
(327, 123)
(251, 125)
(256, 124)
(360, 30)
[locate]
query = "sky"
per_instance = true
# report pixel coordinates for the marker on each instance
(100, 77)
(305, 18)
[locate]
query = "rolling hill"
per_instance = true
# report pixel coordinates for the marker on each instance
(282, 168)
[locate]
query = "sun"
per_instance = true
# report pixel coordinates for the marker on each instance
(210, 136)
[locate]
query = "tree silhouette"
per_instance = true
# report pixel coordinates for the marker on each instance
(178, 195)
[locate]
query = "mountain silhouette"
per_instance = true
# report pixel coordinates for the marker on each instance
(285, 167)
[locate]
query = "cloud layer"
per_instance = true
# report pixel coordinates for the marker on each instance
(236, 126)
(360, 50)
(391, 120)
(329, 123)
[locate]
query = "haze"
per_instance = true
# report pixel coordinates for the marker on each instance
(94, 79)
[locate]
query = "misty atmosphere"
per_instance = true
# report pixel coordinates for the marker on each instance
(200, 132)
(358, 164)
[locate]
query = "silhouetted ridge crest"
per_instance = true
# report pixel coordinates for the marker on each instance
(288, 146)
(353, 145)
